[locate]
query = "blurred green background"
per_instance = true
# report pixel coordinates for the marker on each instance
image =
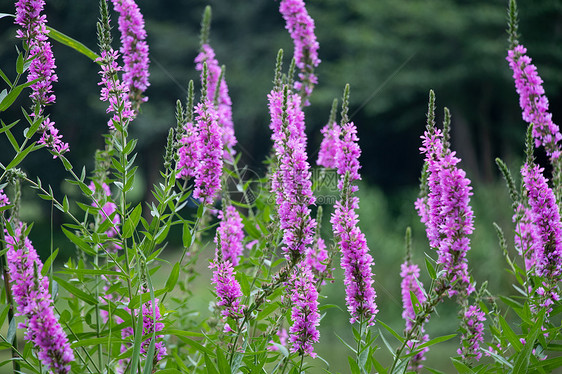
(391, 52)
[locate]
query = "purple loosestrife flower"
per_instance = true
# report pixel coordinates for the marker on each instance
(42, 68)
(546, 218)
(187, 152)
(301, 28)
(227, 288)
(329, 145)
(526, 237)
(356, 260)
(410, 284)
(114, 91)
(473, 333)
(150, 323)
(209, 153)
(533, 102)
(31, 293)
(304, 314)
(134, 49)
(317, 257)
(34, 32)
(231, 234)
(224, 103)
(291, 182)
(449, 217)
(108, 210)
(3, 199)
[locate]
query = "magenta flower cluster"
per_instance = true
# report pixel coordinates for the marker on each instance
(151, 317)
(223, 103)
(356, 261)
(533, 101)
(304, 314)
(42, 68)
(114, 91)
(227, 289)
(187, 152)
(208, 169)
(446, 211)
(410, 274)
(30, 291)
(525, 235)
(231, 234)
(473, 334)
(134, 48)
(4, 201)
(108, 210)
(34, 32)
(291, 181)
(301, 28)
(545, 217)
(328, 148)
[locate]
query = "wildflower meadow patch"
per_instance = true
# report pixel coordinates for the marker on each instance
(259, 235)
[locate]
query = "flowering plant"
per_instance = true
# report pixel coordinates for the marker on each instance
(118, 305)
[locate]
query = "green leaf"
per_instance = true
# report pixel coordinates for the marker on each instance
(65, 204)
(132, 222)
(19, 64)
(2, 15)
(79, 242)
(394, 333)
(173, 278)
(461, 368)
(72, 43)
(508, 333)
(12, 329)
(136, 345)
(522, 362)
(211, 368)
(224, 367)
(439, 339)
(76, 291)
(186, 237)
(6, 128)
(353, 365)
(430, 269)
(47, 264)
(5, 77)
(20, 156)
(13, 95)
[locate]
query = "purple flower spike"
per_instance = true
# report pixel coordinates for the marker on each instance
(301, 28)
(114, 91)
(133, 48)
(150, 318)
(356, 260)
(329, 145)
(31, 293)
(304, 297)
(34, 32)
(187, 152)
(410, 284)
(42, 68)
(547, 248)
(3, 199)
(446, 211)
(533, 102)
(526, 237)
(227, 289)
(224, 103)
(209, 155)
(473, 334)
(231, 233)
(291, 184)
